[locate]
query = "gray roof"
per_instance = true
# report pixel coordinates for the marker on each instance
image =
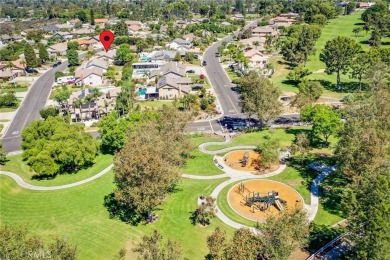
(164, 55)
(50, 28)
(5, 37)
(109, 55)
(164, 81)
(170, 67)
(100, 63)
(181, 41)
(59, 47)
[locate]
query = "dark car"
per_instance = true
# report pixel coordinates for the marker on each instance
(217, 54)
(59, 62)
(204, 63)
(190, 71)
(55, 65)
(197, 88)
(28, 70)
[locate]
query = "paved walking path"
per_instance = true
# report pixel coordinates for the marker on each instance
(237, 175)
(26, 185)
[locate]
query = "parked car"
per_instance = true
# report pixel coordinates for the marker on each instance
(55, 65)
(204, 63)
(28, 70)
(197, 88)
(190, 71)
(217, 54)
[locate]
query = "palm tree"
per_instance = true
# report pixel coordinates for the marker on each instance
(78, 103)
(256, 44)
(88, 100)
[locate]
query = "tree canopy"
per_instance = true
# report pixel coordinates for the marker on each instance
(52, 146)
(260, 97)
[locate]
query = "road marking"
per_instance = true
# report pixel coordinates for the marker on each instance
(15, 132)
(25, 120)
(232, 111)
(211, 126)
(201, 128)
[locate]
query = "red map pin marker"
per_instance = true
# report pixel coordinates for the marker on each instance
(106, 38)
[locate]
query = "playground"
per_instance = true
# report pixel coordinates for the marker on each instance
(246, 160)
(255, 199)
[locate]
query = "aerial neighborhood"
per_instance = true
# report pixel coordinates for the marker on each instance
(237, 129)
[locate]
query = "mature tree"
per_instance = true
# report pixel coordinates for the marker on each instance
(378, 76)
(299, 42)
(325, 120)
(73, 45)
(52, 146)
(260, 97)
(356, 31)
(338, 55)
(121, 29)
(365, 136)
(309, 92)
(18, 243)
(204, 212)
(301, 146)
(31, 59)
(92, 16)
(113, 129)
(124, 55)
(298, 73)
(82, 16)
(360, 65)
(376, 38)
(363, 155)
(36, 35)
(43, 54)
(243, 246)
(73, 57)
(49, 111)
(269, 151)
(8, 99)
(283, 233)
(216, 243)
(204, 10)
(3, 155)
(350, 8)
(152, 247)
(146, 168)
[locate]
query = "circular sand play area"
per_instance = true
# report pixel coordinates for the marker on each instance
(246, 160)
(255, 199)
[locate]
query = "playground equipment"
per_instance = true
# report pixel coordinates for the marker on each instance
(245, 159)
(262, 203)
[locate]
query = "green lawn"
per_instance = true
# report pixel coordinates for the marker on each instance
(154, 104)
(6, 90)
(78, 214)
(285, 137)
(7, 109)
(341, 26)
(200, 163)
(18, 166)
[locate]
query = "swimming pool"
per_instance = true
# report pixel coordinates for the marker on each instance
(142, 91)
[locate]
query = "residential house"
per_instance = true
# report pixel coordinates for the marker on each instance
(17, 38)
(5, 38)
(89, 76)
(65, 26)
(112, 22)
(107, 56)
(86, 43)
(97, 63)
(162, 55)
(134, 29)
(83, 31)
(101, 20)
(51, 28)
(290, 15)
(252, 42)
(256, 58)
(7, 74)
(280, 21)
(73, 22)
(179, 44)
(171, 88)
(180, 23)
(58, 49)
(63, 35)
(237, 17)
(190, 37)
(263, 31)
(225, 24)
(170, 69)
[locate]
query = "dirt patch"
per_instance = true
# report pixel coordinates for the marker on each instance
(299, 254)
(236, 198)
(235, 160)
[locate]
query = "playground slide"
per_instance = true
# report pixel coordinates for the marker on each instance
(279, 205)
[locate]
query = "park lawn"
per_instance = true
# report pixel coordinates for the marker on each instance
(285, 136)
(18, 166)
(79, 215)
(201, 163)
(293, 178)
(231, 74)
(324, 217)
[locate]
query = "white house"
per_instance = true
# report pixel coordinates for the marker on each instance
(256, 58)
(179, 44)
(89, 76)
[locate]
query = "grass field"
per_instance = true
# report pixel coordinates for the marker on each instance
(284, 136)
(7, 109)
(6, 90)
(341, 26)
(17, 165)
(78, 214)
